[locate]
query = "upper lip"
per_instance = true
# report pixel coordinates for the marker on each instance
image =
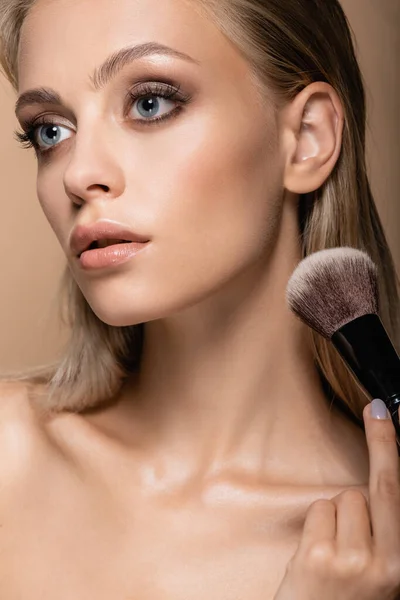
(84, 235)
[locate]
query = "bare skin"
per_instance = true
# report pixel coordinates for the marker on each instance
(84, 517)
(195, 480)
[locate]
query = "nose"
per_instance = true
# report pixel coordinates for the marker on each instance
(95, 169)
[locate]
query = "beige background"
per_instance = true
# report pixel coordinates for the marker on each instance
(31, 261)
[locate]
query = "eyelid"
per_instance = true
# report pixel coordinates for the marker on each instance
(46, 118)
(140, 90)
(141, 86)
(166, 89)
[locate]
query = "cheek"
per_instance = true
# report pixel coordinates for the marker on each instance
(222, 188)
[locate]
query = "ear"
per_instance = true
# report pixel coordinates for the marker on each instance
(311, 129)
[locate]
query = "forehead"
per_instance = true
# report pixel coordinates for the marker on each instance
(64, 40)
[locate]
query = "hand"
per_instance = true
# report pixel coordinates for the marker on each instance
(350, 548)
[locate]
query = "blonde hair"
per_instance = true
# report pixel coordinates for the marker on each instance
(288, 45)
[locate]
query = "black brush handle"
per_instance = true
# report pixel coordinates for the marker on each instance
(393, 405)
(366, 347)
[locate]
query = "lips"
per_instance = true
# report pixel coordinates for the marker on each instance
(100, 235)
(105, 243)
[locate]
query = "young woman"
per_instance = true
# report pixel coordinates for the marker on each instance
(195, 441)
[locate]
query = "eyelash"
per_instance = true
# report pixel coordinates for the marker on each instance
(27, 138)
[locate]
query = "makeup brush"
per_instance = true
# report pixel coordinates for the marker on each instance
(335, 292)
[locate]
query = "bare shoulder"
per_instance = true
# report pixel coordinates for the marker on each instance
(21, 432)
(15, 406)
(15, 403)
(35, 444)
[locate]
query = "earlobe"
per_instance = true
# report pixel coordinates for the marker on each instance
(314, 127)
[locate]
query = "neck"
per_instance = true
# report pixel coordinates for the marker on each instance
(231, 385)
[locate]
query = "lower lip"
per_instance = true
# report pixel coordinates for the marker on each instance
(111, 256)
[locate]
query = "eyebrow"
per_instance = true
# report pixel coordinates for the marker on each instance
(105, 73)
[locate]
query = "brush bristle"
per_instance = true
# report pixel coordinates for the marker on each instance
(330, 288)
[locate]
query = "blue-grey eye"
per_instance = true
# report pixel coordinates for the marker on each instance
(149, 106)
(50, 134)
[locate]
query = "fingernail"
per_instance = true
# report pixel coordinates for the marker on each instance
(379, 410)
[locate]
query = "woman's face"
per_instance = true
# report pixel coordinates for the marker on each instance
(203, 185)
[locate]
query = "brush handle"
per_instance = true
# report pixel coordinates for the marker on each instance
(393, 405)
(365, 346)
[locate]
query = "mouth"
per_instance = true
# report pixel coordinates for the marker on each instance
(97, 244)
(101, 235)
(109, 253)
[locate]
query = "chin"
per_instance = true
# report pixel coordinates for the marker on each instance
(127, 305)
(121, 318)
(130, 314)
(134, 312)
(118, 321)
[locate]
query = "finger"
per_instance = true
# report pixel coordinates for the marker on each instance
(353, 525)
(384, 482)
(320, 524)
